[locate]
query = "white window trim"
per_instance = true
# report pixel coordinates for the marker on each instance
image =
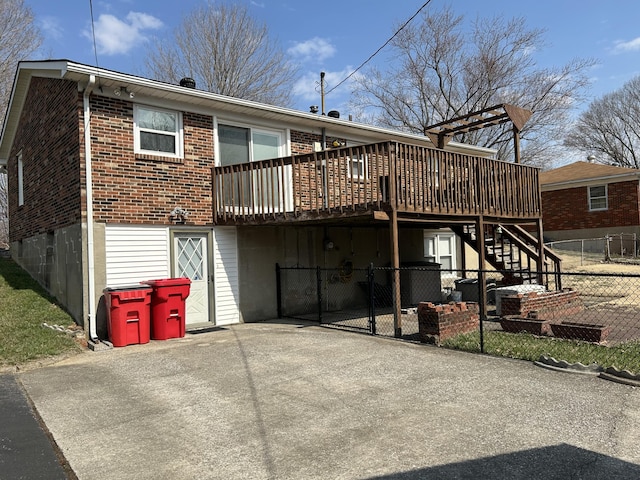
(363, 160)
(605, 196)
(20, 179)
(179, 134)
(430, 234)
(284, 146)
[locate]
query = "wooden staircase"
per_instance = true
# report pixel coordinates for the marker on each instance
(514, 251)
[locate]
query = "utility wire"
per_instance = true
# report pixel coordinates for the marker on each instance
(378, 51)
(93, 33)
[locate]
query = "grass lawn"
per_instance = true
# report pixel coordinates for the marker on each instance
(24, 307)
(529, 347)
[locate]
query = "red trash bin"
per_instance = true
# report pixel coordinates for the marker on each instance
(168, 307)
(128, 314)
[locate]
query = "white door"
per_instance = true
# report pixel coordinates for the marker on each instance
(191, 260)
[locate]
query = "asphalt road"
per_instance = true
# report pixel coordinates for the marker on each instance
(26, 451)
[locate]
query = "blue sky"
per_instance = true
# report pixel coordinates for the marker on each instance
(336, 36)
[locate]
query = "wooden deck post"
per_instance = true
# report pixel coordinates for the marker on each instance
(516, 144)
(395, 264)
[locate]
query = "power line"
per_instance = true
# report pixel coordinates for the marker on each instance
(378, 51)
(93, 33)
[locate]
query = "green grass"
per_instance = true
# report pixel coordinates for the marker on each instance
(529, 347)
(24, 307)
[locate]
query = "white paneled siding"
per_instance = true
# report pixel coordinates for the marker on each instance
(226, 275)
(136, 253)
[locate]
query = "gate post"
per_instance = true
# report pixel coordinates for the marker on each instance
(319, 287)
(372, 300)
(279, 290)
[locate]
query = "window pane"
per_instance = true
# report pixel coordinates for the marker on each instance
(157, 142)
(446, 263)
(265, 146)
(598, 203)
(153, 120)
(597, 191)
(444, 245)
(234, 144)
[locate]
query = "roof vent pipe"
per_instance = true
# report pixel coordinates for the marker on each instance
(333, 114)
(188, 82)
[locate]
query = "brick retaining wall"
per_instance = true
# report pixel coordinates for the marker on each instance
(437, 323)
(543, 305)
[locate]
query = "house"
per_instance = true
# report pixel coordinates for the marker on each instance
(116, 179)
(585, 200)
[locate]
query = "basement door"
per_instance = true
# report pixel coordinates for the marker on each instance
(191, 260)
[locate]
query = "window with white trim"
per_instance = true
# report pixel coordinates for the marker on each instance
(246, 144)
(240, 144)
(20, 180)
(598, 198)
(358, 164)
(441, 248)
(157, 131)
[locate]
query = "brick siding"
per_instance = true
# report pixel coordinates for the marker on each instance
(49, 138)
(568, 209)
(128, 188)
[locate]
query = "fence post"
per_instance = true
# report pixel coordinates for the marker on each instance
(372, 300)
(319, 287)
(482, 302)
(279, 290)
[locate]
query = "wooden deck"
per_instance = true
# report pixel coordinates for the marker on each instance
(372, 180)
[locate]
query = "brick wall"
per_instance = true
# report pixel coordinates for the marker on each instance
(568, 209)
(137, 189)
(127, 187)
(49, 138)
(440, 322)
(546, 305)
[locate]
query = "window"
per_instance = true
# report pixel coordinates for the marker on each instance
(598, 198)
(358, 167)
(157, 132)
(441, 248)
(242, 145)
(20, 180)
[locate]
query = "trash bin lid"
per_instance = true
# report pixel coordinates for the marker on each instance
(126, 288)
(168, 282)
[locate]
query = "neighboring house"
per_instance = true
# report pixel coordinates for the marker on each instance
(589, 200)
(116, 179)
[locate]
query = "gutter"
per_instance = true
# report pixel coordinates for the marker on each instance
(93, 336)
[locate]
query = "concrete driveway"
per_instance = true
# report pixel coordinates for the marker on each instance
(287, 401)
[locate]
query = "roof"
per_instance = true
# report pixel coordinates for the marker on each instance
(585, 173)
(152, 90)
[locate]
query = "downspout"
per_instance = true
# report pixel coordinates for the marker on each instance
(89, 186)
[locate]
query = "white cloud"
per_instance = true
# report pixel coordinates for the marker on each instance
(630, 46)
(316, 48)
(308, 86)
(115, 36)
(51, 27)
(256, 4)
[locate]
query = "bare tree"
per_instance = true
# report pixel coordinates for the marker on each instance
(19, 38)
(227, 52)
(609, 128)
(441, 69)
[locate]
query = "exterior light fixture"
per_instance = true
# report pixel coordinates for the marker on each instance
(118, 91)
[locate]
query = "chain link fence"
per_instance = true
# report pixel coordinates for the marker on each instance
(586, 318)
(588, 251)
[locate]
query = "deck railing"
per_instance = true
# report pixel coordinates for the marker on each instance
(378, 176)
